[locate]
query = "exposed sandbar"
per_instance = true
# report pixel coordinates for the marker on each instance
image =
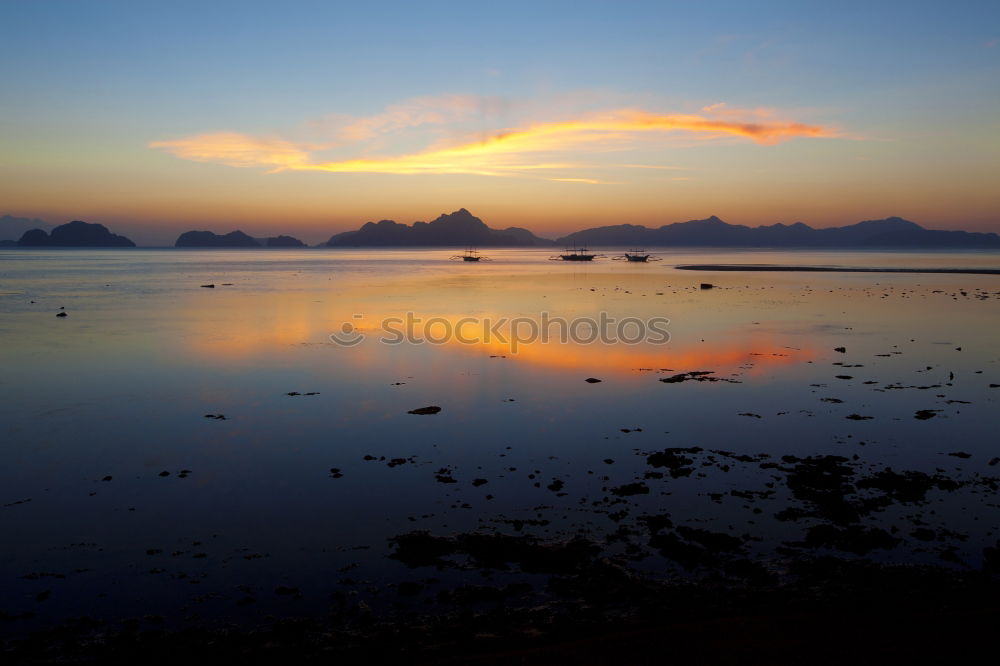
(834, 269)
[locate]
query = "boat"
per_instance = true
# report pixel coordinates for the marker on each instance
(575, 254)
(470, 255)
(637, 255)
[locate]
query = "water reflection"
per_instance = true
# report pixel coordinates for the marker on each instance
(120, 388)
(259, 326)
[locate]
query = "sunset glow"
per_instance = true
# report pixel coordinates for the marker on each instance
(504, 153)
(574, 119)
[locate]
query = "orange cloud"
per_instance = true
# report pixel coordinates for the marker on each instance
(504, 153)
(237, 150)
(589, 181)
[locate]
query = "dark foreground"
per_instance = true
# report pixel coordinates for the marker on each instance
(838, 613)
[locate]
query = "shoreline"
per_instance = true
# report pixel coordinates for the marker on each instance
(834, 269)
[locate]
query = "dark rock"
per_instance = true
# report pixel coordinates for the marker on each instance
(688, 555)
(714, 541)
(907, 486)
(432, 409)
(991, 558)
(629, 489)
(853, 539)
(494, 551)
(409, 588)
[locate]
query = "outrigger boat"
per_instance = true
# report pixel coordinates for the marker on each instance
(470, 255)
(637, 255)
(575, 255)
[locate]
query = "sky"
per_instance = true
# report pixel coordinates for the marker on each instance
(309, 118)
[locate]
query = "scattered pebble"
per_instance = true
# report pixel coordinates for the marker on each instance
(432, 409)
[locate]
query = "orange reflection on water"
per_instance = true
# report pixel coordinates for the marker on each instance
(254, 326)
(749, 350)
(259, 326)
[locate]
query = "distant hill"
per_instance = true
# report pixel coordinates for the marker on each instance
(283, 241)
(211, 239)
(12, 228)
(74, 234)
(460, 228)
(233, 239)
(892, 232)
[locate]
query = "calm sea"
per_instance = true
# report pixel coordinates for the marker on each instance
(123, 492)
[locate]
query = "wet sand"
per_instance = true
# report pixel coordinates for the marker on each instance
(835, 269)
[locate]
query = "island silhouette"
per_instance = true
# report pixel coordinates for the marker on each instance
(74, 234)
(713, 232)
(460, 228)
(463, 229)
(233, 239)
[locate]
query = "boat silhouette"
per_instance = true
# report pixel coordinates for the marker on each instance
(576, 254)
(470, 255)
(637, 255)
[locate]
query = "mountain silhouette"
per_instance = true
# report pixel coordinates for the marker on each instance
(713, 232)
(283, 241)
(74, 234)
(460, 228)
(211, 239)
(12, 228)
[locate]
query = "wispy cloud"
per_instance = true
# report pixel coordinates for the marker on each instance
(237, 150)
(587, 181)
(554, 145)
(415, 112)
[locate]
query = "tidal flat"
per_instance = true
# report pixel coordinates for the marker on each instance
(207, 464)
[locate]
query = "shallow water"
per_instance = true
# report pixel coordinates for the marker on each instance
(121, 387)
